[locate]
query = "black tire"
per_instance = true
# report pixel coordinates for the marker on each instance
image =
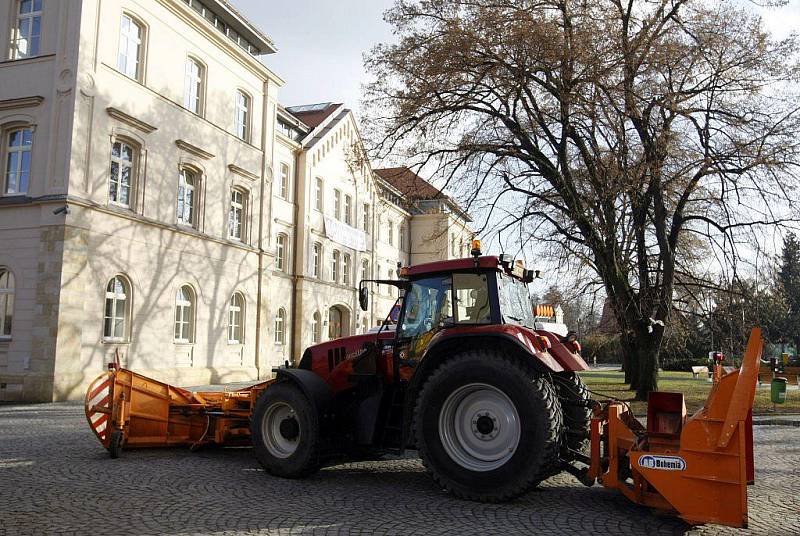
(291, 451)
(574, 396)
(540, 426)
(115, 445)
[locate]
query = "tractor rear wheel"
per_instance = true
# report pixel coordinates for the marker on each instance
(575, 399)
(285, 432)
(487, 427)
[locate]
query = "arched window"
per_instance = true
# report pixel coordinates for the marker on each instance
(17, 171)
(195, 86)
(236, 319)
(117, 310)
(184, 315)
(236, 216)
(280, 326)
(316, 328)
(242, 119)
(316, 259)
(6, 302)
(188, 184)
(281, 244)
(130, 58)
(120, 181)
(26, 35)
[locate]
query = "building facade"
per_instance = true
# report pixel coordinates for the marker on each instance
(158, 206)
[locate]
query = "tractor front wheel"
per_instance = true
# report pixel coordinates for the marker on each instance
(487, 427)
(285, 432)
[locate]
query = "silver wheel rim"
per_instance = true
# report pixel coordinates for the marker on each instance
(278, 445)
(479, 427)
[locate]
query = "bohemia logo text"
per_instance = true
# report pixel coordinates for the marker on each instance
(664, 463)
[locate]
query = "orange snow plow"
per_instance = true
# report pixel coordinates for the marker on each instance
(697, 468)
(125, 408)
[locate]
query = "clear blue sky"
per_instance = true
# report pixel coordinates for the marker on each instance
(320, 45)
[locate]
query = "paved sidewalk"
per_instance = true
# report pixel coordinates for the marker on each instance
(55, 478)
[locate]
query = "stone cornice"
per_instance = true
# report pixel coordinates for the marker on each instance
(242, 172)
(22, 102)
(119, 115)
(193, 149)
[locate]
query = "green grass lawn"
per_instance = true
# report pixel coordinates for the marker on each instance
(695, 391)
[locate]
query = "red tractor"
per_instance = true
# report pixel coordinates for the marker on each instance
(492, 405)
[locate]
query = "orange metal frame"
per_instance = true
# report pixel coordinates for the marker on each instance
(699, 467)
(150, 413)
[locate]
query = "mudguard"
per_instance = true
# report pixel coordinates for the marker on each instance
(309, 383)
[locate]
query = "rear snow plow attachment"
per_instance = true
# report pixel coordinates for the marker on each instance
(697, 468)
(127, 409)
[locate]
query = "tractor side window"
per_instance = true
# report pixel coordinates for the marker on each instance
(427, 306)
(471, 299)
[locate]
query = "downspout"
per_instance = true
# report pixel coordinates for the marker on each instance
(295, 254)
(260, 291)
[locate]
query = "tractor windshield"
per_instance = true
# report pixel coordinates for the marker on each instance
(515, 302)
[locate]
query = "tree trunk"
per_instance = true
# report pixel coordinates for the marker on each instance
(630, 360)
(649, 347)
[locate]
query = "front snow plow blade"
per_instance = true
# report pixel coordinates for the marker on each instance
(126, 409)
(698, 468)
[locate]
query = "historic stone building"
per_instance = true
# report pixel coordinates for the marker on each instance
(159, 205)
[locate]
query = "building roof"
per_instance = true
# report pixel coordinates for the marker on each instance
(313, 114)
(409, 183)
(222, 15)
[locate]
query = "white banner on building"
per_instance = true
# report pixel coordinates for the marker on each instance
(345, 235)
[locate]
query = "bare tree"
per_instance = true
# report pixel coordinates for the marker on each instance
(620, 135)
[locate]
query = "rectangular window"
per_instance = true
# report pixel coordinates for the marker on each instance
(242, 116)
(346, 269)
(26, 35)
(195, 82)
(391, 233)
(280, 254)
(366, 218)
(6, 303)
(317, 259)
(18, 162)
(236, 215)
(129, 58)
(337, 205)
(348, 210)
(283, 186)
(121, 179)
(335, 266)
(187, 197)
(318, 191)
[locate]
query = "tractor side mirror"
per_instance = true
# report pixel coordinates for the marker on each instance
(363, 297)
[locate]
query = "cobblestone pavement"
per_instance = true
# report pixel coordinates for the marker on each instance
(55, 478)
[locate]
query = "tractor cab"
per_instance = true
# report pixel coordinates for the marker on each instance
(483, 299)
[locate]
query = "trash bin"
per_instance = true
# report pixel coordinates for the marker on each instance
(778, 390)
